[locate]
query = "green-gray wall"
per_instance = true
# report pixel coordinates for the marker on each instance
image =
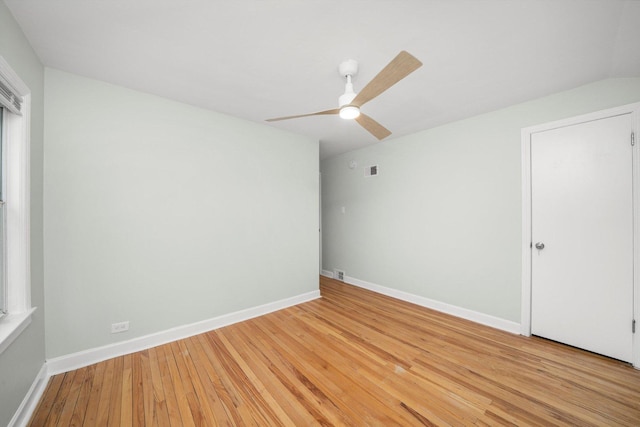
(20, 363)
(442, 220)
(164, 214)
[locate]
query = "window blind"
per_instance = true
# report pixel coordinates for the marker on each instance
(9, 99)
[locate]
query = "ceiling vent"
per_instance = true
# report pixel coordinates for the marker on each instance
(371, 170)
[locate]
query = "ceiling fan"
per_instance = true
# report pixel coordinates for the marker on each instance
(349, 103)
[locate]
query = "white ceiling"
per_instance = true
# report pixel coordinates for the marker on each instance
(258, 59)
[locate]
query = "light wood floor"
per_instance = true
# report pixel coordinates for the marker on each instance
(350, 358)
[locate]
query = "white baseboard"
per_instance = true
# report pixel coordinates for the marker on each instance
(25, 410)
(474, 316)
(88, 357)
(327, 273)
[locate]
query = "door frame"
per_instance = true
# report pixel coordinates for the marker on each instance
(527, 250)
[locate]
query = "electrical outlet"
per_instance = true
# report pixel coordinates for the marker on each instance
(116, 328)
(338, 275)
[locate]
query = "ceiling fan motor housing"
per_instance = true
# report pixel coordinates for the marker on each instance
(347, 96)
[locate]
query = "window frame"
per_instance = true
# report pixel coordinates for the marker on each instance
(3, 233)
(16, 136)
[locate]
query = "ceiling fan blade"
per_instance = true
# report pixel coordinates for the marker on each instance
(373, 127)
(319, 113)
(399, 68)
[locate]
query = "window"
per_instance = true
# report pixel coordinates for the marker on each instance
(15, 287)
(3, 287)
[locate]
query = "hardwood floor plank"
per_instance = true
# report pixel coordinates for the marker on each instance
(126, 406)
(97, 383)
(235, 382)
(149, 390)
(113, 401)
(181, 399)
(70, 402)
(390, 378)
(399, 387)
(137, 392)
(158, 398)
(173, 411)
(61, 399)
(49, 396)
(197, 390)
(287, 388)
(215, 372)
(331, 377)
(311, 397)
(261, 399)
(84, 394)
(352, 358)
(207, 395)
(102, 411)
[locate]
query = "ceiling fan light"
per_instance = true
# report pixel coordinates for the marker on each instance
(349, 112)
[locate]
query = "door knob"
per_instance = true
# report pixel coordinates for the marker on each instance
(539, 245)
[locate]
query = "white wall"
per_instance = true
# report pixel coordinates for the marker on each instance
(164, 214)
(443, 218)
(20, 363)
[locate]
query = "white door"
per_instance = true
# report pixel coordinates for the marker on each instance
(582, 222)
